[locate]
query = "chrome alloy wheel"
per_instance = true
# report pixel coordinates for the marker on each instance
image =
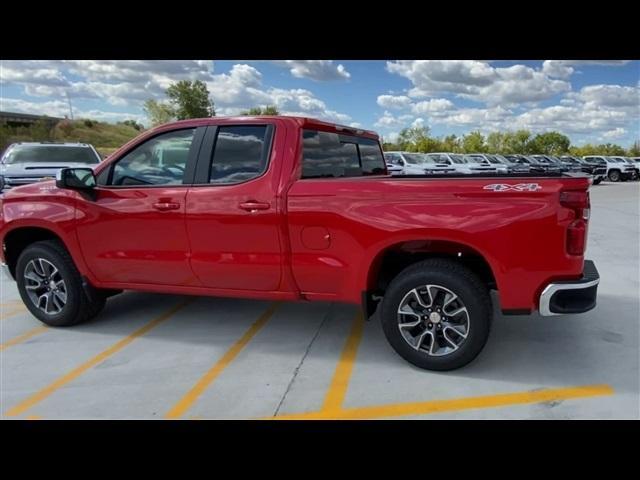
(433, 320)
(45, 286)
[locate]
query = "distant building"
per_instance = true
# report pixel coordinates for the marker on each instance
(25, 119)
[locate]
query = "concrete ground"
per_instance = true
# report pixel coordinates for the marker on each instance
(155, 356)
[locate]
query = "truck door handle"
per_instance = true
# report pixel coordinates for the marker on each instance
(164, 206)
(253, 206)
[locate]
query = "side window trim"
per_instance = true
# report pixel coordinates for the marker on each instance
(202, 170)
(187, 178)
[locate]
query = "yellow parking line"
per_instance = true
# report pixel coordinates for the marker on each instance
(340, 382)
(456, 404)
(76, 372)
(208, 378)
(33, 417)
(21, 338)
(12, 312)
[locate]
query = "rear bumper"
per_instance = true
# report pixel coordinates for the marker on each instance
(573, 296)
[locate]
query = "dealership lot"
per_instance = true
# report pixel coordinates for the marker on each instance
(161, 356)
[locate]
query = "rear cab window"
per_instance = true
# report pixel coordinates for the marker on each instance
(333, 155)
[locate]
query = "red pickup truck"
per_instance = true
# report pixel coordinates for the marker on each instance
(299, 209)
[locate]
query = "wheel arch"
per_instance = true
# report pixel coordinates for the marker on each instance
(16, 240)
(390, 260)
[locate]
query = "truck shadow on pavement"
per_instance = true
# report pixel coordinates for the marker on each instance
(548, 351)
(600, 346)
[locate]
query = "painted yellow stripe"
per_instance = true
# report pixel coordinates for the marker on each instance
(76, 372)
(454, 405)
(33, 417)
(340, 382)
(6, 314)
(21, 338)
(180, 408)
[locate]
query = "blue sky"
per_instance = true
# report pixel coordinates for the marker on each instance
(590, 101)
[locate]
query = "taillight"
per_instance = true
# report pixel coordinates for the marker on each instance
(579, 202)
(576, 237)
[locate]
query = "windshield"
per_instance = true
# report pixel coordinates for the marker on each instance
(459, 159)
(417, 158)
(493, 159)
(596, 160)
(50, 154)
(542, 159)
(476, 159)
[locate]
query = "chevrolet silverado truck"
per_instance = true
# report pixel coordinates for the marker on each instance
(289, 208)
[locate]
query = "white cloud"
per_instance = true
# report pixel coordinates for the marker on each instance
(615, 96)
(128, 83)
(59, 108)
(388, 120)
(433, 106)
(318, 70)
(394, 101)
(615, 133)
(478, 81)
(557, 68)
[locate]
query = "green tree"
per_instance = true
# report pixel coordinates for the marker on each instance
(158, 113)
(634, 151)
(268, 110)
(132, 123)
(496, 142)
(451, 143)
(411, 138)
(551, 143)
(516, 142)
(473, 142)
(190, 99)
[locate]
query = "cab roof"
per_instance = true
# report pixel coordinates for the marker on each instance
(301, 122)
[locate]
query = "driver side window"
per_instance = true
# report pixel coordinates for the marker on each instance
(159, 161)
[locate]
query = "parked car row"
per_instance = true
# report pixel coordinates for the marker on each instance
(599, 167)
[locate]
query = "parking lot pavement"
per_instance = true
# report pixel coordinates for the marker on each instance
(164, 356)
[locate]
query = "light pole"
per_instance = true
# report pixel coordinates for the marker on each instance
(70, 107)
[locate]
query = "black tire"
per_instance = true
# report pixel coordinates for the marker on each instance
(614, 176)
(459, 280)
(597, 181)
(78, 308)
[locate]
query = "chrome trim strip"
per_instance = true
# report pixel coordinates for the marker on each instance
(549, 290)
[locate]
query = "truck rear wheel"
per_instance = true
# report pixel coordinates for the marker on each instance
(597, 181)
(51, 286)
(436, 314)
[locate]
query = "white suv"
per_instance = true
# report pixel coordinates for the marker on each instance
(486, 159)
(416, 163)
(461, 164)
(617, 168)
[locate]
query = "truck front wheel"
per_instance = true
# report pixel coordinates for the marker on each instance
(614, 176)
(51, 286)
(436, 314)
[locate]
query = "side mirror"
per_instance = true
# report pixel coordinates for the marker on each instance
(76, 179)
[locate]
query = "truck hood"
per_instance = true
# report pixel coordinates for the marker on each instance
(39, 169)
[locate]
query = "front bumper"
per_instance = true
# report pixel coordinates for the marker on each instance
(572, 296)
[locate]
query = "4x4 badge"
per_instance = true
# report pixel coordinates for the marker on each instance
(518, 187)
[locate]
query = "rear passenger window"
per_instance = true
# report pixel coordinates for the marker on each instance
(240, 154)
(327, 155)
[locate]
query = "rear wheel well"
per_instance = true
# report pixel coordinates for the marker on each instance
(17, 240)
(394, 259)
